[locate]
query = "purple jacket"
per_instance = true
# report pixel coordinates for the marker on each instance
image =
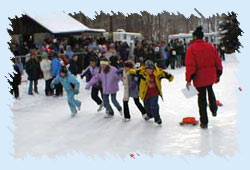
(109, 81)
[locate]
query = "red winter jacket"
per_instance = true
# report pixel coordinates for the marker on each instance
(203, 64)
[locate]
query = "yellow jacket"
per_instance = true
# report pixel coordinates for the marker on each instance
(145, 78)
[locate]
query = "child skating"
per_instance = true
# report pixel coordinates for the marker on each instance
(150, 88)
(71, 85)
(109, 79)
(92, 70)
(131, 89)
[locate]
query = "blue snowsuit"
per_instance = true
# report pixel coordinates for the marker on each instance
(71, 85)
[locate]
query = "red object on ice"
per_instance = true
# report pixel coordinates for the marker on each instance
(132, 155)
(189, 120)
(240, 88)
(218, 103)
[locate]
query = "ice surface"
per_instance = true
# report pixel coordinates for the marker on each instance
(44, 127)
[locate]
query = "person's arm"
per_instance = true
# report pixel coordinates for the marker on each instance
(93, 81)
(54, 81)
(167, 75)
(85, 72)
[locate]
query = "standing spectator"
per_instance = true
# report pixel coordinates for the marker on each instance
(69, 53)
(73, 66)
(16, 80)
(114, 61)
(172, 57)
(204, 67)
(47, 75)
(56, 68)
(19, 64)
(179, 51)
(222, 51)
(34, 73)
(164, 54)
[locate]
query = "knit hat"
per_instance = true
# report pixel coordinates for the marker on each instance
(64, 69)
(198, 32)
(44, 55)
(149, 64)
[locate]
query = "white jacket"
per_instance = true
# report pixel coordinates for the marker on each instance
(46, 69)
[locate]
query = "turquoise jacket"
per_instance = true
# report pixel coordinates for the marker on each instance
(69, 83)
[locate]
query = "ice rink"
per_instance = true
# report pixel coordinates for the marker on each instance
(44, 126)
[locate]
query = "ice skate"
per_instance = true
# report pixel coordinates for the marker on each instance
(121, 113)
(147, 117)
(125, 119)
(108, 116)
(73, 114)
(101, 107)
(79, 107)
(159, 122)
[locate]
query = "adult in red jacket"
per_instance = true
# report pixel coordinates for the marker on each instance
(204, 67)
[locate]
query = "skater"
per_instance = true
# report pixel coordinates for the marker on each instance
(47, 75)
(34, 73)
(109, 78)
(56, 67)
(172, 58)
(71, 85)
(150, 88)
(92, 70)
(16, 80)
(204, 68)
(131, 89)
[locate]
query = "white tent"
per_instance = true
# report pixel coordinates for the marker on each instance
(60, 23)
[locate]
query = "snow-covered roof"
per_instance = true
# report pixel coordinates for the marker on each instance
(60, 22)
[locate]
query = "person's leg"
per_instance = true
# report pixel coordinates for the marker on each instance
(147, 107)
(71, 103)
(16, 91)
(60, 89)
(107, 104)
(202, 103)
(94, 95)
(57, 87)
(126, 110)
(179, 62)
(167, 62)
(30, 87)
(155, 108)
(51, 91)
(139, 106)
(46, 87)
(212, 100)
(35, 86)
(115, 102)
(77, 103)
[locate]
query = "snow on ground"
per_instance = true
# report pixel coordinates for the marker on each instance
(44, 127)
